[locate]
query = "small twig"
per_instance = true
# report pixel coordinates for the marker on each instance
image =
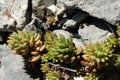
(64, 68)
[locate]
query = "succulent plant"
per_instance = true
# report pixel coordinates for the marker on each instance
(53, 75)
(118, 33)
(118, 60)
(118, 50)
(97, 54)
(60, 49)
(111, 41)
(45, 68)
(50, 73)
(92, 77)
(26, 44)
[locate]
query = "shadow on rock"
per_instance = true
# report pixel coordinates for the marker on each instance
(4, 36)
(33, 69)
(102, 24)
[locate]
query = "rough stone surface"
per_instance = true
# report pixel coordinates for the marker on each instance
(11, 66)
(13, 12)
(70, 2)
(35, 3)
(63, 32)
(103, 9)
(91, 33)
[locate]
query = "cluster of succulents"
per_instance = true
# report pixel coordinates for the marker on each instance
(26, 44)
(111, 41)
(100, 52)
(98, 55)
(118, 43)
(60, 49)
(118, 31)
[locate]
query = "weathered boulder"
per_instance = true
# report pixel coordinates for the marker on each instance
(103, 9)
(12, 66)
(14, 13)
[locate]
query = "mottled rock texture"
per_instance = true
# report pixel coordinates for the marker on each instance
(63, 32)
(104, 9)
(14, 13)
(70, 2)
(12, 66)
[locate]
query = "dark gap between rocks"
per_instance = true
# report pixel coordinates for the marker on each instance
(33, 69)
(4, 36)
(28, 14)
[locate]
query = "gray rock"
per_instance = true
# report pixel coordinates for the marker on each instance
(63, 32)
(11, 65)
(35, 3)
(14, 12)
(70, 2)
(78, 43)
(30, 26)
(69, 23)
(103, 9)
(92, 34)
